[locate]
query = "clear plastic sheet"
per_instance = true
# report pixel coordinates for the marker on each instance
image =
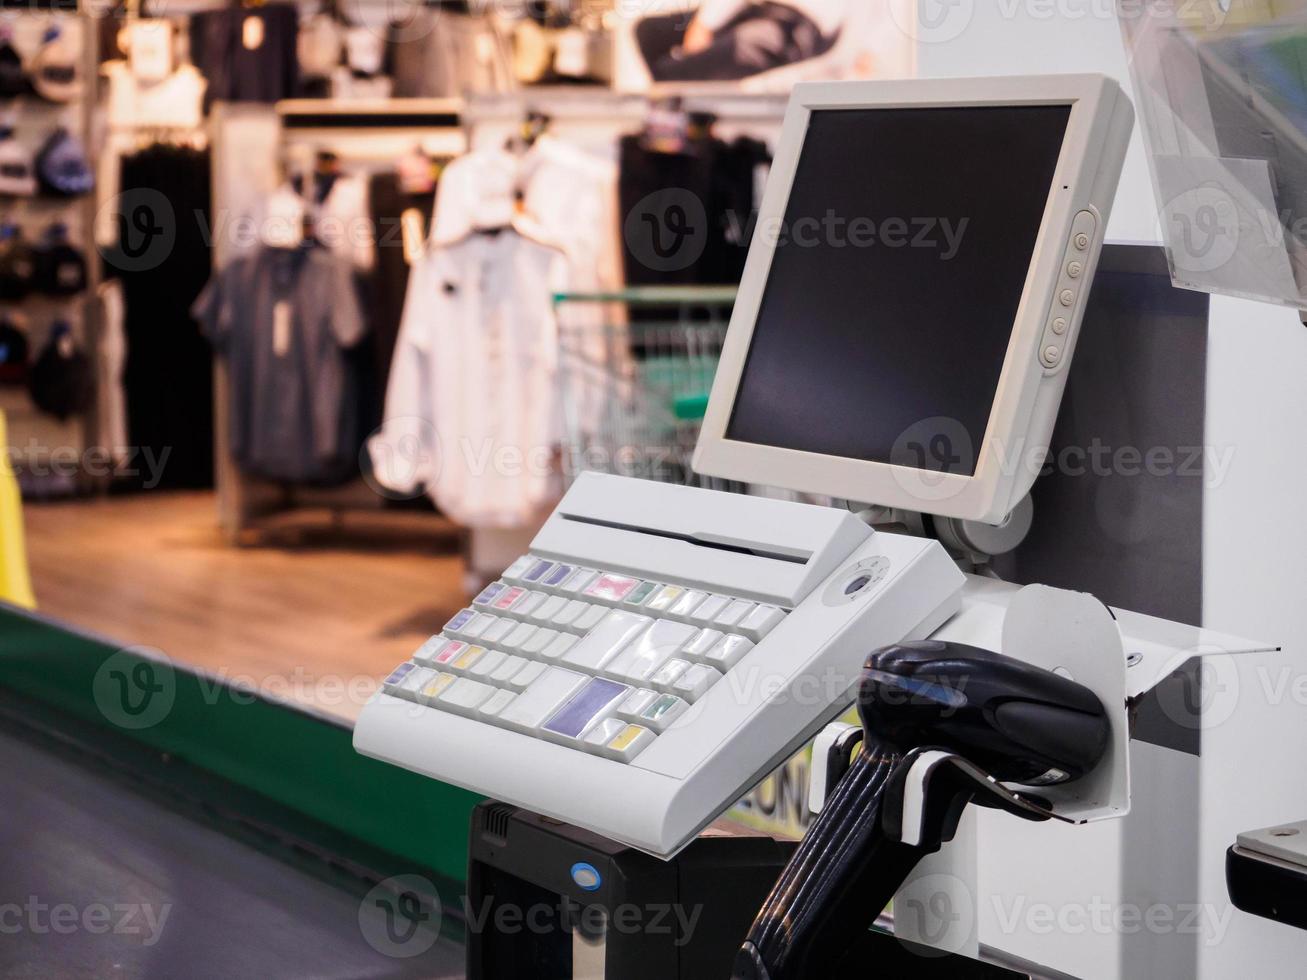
(1221, 89)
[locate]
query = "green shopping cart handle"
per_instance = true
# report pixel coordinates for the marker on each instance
(690, 408)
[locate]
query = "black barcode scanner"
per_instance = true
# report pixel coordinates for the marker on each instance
(999, 717)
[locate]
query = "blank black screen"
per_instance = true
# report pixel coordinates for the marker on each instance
(896, 280)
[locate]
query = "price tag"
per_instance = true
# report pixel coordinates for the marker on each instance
(413, 230)
(149, 43)
(573, 55)
(252, 33)
(281, 323)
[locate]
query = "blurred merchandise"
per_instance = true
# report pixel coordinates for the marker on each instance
(13, 354)
(62, 380)
(61, 166)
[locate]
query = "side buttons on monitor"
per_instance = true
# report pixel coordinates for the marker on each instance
(1068, 298)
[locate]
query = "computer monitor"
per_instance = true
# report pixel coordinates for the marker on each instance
(917, 276)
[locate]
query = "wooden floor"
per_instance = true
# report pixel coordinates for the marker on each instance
(317, 616)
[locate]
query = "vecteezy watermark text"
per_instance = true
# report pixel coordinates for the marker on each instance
(835, 231)
(35, 459)
(40, 918)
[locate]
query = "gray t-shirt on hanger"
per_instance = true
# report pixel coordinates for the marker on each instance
(283, 319)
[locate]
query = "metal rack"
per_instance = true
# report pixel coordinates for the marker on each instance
(635, 389)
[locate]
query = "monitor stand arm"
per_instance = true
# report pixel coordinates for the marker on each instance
(970, 542)
(884, 814)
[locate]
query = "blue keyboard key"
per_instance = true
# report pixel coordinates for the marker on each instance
(537, 571)
(558, 576)
(589, 703)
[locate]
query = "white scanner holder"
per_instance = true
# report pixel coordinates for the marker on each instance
(1068, 633)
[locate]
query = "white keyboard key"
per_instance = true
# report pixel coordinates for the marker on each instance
(696, 682)
(611, 588)
(506, 670)
(540, 639)
(489, 594)
(402, 675)
(525, 606)
(664, 598)
(435, 687)
(578, 582)
(488, 663)
(572, 608)
(734, 614)
(559, 646)
(536, 572)
(686, 604)
(636, 703)
(660, 715)
(597, 739)
(470, 658)
(410, 688)
(494, 635)
(702, 642)
(491, 709)
(548, 609)
(556, 577)
(475, 629)
(606, 640)
(669, 674)
(464, 696)
(760, 622)
(708, 610)
(646, 654)
(538, 703)
(641, 593)
(460, 622)
(427, 652)
(509, 598)
(515, 571)
(628, 743)
(727, 652)
(527, 676)
(590, 704)
(590, 617)
(413, 684)
(517, 639)
(450, 652)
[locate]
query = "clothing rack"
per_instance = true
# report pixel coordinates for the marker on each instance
(250, 142)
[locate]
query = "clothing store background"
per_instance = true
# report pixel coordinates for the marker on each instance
(280, 278)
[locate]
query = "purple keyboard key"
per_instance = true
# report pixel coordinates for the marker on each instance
(588, 703)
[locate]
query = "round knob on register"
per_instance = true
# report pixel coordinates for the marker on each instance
(1067, 298)
(1074, 270)
(1082, 241)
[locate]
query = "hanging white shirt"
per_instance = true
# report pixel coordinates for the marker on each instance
(472, 410)
(828, 15)
(572, 197)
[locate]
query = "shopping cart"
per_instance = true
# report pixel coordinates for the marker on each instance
(636, 369)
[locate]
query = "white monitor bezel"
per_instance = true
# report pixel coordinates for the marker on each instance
(1021, 421)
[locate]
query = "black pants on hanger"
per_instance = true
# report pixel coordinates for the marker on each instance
(168, 377)
(763, 37)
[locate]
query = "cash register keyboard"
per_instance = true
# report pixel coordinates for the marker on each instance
(591, 659)
(658, 651)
